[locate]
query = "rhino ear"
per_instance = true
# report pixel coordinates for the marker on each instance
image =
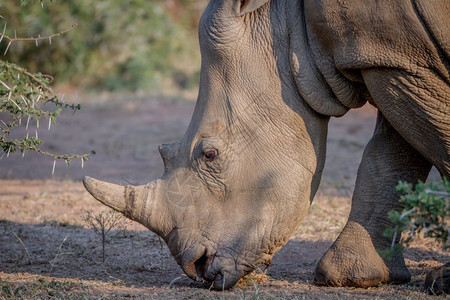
(248, 6)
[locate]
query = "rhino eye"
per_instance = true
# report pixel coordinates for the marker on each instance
(210, 154)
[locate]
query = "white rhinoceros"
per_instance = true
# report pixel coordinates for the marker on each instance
(242, 178)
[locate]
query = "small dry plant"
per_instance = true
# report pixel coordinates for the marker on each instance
(106, 224)
(24, 247)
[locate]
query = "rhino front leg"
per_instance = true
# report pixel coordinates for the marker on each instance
(353, 260)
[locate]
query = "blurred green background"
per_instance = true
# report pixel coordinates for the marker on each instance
(147, 46)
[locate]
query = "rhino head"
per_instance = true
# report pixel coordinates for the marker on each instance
(239, 182)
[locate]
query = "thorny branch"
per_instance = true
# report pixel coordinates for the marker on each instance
(27, 39)
(22, 94)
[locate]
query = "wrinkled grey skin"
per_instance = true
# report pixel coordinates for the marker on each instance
(242, 178)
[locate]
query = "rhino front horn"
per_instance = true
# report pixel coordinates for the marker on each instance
(139, 203)
(109, 194)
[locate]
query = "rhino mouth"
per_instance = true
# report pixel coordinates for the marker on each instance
(206, 268)
(202, 264)
(197, 269)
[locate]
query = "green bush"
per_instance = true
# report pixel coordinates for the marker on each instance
(116, 45)
(426, 211)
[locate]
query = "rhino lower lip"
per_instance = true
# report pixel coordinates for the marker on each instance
(190, 271)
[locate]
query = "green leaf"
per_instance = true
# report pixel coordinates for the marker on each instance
(426, 210)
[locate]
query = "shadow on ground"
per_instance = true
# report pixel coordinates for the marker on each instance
(134, 257)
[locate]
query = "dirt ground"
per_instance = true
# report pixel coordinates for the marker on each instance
(48, 251)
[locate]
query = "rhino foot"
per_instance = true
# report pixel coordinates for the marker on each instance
(438, 280)
(353, 261)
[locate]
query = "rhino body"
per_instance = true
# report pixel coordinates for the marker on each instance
(242, 178)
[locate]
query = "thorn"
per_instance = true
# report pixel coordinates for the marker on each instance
(23, 153)
(5, 85)
(82, 163)
(15, 104)
(28, 122)
(49, 123)
(23, 99)
(50, 40)
(37, 123)
(54, 164)
(3, 34)
(37, 137)
(9, 44)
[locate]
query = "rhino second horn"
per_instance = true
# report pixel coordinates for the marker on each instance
(169, 153)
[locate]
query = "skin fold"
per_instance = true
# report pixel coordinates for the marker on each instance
(239, 182)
